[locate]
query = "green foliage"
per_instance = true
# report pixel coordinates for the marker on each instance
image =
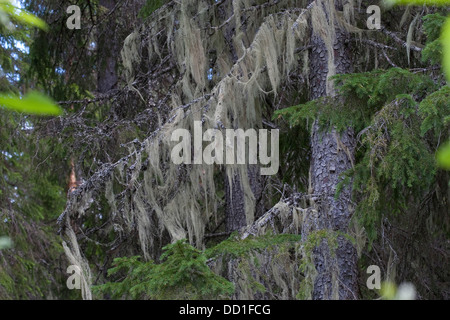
(182, 274)
(63, 62)
(10, 12)
(25, 264)
(435, 109)
(235, 248)
(360, 96)
(31, 198)
(400, 116)
(396, 165)
(149, 7)
(432, 52)
(377, 87)
(434, 21)
(34, 102)
(432, 25)
(443, 156)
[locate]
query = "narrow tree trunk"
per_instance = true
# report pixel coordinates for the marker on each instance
(332, 154)
(108, 50)
(234, 204)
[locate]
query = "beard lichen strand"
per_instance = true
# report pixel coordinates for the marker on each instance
(189, 48)
(144, 227)
(349, 12)
(130, 55)
(409, 36)
(73, 253)
(267, 41)
(173, 206)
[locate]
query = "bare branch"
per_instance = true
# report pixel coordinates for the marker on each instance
(403, 43)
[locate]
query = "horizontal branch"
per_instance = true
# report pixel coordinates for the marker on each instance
(216, 235)
(374, 44)
(404, 44)
(99, 97)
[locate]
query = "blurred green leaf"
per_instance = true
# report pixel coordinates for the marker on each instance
(20, 15)
(445, 40)
(34, 103)
(388, 290)
(443, 156)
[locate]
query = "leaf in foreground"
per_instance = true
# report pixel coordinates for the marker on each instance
(34, 103)
(443, 156)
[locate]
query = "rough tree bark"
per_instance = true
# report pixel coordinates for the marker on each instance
(332, 154)
(234, 204)
(235, 217)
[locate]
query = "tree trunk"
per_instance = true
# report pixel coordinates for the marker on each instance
(235, 199)
(234, 204)
(332, 154)
(108, 50)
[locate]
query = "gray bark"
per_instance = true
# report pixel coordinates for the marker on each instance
(234, 204)
(235, 200)
(332, 154)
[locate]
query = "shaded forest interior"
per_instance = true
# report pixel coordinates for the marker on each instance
(354, 111)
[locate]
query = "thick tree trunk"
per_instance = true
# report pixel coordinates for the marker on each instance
(235, 199)
(332, 154)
